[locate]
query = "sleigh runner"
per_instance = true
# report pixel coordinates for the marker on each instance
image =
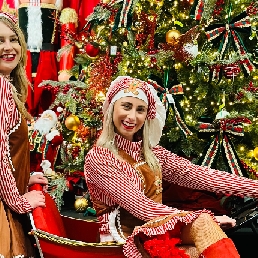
(59, 236)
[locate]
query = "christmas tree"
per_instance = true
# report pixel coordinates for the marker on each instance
(200, 55)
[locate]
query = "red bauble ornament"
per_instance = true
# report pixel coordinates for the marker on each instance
(92, 49)
(231, 71)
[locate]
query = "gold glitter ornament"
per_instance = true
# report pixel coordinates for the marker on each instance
(72, 122)
(250, 154)
(81, 204)
(172, 36)
(256, 153)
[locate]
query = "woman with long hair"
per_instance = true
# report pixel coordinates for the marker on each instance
(124, 173)
(15, 200)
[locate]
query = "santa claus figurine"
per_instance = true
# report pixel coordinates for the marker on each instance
(45, 141)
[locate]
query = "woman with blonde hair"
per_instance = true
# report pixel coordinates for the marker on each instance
(15, 201)
(124, 173)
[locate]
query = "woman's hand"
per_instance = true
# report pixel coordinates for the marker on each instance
(225, 222)
(35, 199)
(39, 179)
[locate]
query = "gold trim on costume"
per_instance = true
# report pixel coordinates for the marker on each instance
(42, 5)
(54, 30)
(6, 8)
(67, 71)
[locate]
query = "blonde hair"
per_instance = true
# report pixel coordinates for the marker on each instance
(106, 139)
(18, 74)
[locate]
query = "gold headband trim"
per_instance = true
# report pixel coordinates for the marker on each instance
(42, 5)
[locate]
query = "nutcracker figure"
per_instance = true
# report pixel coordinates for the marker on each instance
(82, 7)
(38, 20)
(72, 19)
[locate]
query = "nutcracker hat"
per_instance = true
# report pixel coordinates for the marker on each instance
(7, 16)
(12, 22)
(126, 86)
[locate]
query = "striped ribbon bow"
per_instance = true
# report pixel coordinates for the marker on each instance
(124, 14)
(222, 129)
(229, 34)
(197, 10)
(167, 98)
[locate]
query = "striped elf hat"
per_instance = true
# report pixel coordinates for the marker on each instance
(126, 86)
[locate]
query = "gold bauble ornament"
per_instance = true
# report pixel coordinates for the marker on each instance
(250, 154)
(81, 204)
(72, 122)
(172, 36)
(256, 153)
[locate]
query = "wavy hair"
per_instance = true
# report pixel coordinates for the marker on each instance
(106, 139)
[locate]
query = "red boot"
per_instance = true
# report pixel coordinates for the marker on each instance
(224, 248)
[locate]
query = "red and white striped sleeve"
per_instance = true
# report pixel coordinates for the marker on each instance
(178, 170)
(9, 116)
(106, 174)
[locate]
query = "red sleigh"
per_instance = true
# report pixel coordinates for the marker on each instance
(59, 236)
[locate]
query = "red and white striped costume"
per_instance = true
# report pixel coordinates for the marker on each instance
(10, 120)
(114, 181)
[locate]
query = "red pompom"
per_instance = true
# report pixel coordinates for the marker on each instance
(164, 248)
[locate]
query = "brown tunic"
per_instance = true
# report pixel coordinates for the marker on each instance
(127, 221)
(13, 226)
